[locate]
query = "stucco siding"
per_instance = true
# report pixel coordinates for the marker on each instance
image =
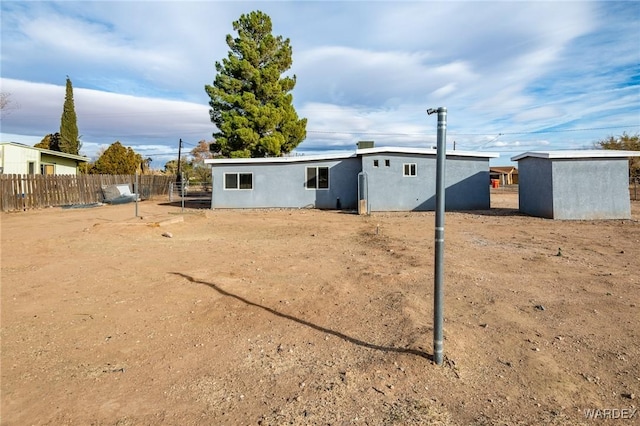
(389, 189)
(283, 185)
(591, 189)
(578, 188)
(535, 193)
(467, 184)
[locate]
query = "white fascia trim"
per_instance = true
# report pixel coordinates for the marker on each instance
(295, 159)
(587, 153)
(425, 151)
(340, 156)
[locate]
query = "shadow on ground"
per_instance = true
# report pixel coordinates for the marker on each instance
(307, 323)
(192, 200)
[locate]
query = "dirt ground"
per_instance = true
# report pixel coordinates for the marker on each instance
(304, 317)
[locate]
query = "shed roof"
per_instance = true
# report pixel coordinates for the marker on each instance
(586, 153)
(504, 169)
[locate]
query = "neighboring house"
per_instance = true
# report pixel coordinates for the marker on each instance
(371, 179)
(589, 184)
(16, 158)
(506, 175)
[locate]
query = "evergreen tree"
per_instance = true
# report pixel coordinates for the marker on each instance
(69, 139)
(51, 141)
(250, 100)
(117, 160)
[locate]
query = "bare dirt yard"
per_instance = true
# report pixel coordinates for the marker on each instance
(305, 317)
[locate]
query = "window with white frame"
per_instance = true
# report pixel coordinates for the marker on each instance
(410, 169)
(317, 178)
(238, 181)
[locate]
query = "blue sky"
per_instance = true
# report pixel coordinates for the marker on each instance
(514, 76)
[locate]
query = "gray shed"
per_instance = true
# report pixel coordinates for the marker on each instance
(376, 179)
(588, 184)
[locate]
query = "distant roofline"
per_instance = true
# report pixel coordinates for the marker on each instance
(49, 152)
(504, 168)
(587, 153)
(344, 155)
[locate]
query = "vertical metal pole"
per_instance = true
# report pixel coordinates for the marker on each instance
(182, 192)
(212, 193)
(179, 172)
(438, 290)
(135, 192)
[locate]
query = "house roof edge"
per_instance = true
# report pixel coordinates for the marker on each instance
(586, 153)
(49, 151)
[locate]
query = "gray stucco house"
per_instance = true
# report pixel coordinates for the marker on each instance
(369, 180)
(589, 184)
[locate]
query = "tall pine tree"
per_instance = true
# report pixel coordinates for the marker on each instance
(251, 103)
(69, 140)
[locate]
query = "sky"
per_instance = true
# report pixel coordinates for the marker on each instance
(515, 76)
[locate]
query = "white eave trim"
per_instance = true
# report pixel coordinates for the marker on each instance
(292, 159)
(340, 156)
(587, 153)
(425, 151)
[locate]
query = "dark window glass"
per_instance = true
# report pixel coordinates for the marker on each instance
(231, 181)
(246, 181)
(323, 177)
(409, 169)
(317, 177)
(311, 178)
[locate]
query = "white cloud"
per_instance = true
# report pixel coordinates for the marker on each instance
(516, 68)
(104, 118)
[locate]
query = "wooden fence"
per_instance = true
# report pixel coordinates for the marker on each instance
(25, 192)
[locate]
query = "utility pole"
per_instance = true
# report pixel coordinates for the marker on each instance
(179, 175)
(438, 287)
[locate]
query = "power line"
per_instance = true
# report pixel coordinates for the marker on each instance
(531, 132)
